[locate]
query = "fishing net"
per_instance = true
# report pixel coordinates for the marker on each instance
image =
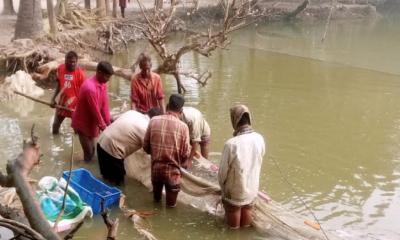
(21, 82)
(269, 218)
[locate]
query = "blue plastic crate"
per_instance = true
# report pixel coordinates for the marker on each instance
(93, 191)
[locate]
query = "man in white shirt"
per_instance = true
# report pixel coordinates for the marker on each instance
(119, 140)
(240, 168)
(199, 131)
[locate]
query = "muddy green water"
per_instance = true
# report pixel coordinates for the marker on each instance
(329, 113)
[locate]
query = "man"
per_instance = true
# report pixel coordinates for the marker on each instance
(119, 140)
(122, 5)
(146, 87)
(240, 167)
(92, 113)
(69, 80)
(199, 131)
(167, 140)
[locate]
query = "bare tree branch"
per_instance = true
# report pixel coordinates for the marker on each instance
(21, 229)
(71, 234)
(66, 187)
(112, 225)
(19, 170)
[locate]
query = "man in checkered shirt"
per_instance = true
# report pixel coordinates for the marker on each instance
(167, 141)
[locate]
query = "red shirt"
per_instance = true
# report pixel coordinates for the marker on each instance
(146, 93)
(70, 84)
(167, 140)
(92, 112)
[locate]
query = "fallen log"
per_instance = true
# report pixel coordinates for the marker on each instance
(43, 71)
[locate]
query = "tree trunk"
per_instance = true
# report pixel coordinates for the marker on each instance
(52, 18)
(8, 7)
(107, 7)
(29, 22)
(158, 4)
(87, 4)
(114, 10)
(179, 85)
(101, 8)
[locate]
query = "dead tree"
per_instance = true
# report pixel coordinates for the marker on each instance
(52, 18)
(159, 26)
(8, 8)
(29, 21)
(17, 176)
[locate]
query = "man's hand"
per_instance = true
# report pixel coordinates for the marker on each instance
(188, 164)
(53, 103)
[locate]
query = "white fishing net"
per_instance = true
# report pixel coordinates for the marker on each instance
(21, 82)
(269, 218)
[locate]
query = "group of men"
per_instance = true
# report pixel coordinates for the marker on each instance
(171, 134)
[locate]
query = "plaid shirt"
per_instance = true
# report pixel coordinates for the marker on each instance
(167, 140)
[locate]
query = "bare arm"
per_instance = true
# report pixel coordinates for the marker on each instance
(133, 105)
(162, 105)
(56, 92)
(195, 150)
(146, 141)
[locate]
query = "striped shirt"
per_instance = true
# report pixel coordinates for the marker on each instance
(167, 140)
(146, 93)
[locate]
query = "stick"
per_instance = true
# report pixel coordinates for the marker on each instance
(66, 187)
(70, 235)
(328, 21)
(43, 102)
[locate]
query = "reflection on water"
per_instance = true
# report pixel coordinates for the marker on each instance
(329, 113)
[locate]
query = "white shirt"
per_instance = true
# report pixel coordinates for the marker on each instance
(198, 126)
(239, 172)
(125, 135)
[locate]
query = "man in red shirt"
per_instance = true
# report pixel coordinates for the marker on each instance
(146, 87)
(92, 112)
(69, 80)
(167, 140)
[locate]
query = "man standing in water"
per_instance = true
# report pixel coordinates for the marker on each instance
(199, 131)
(146, 87)
(69, 80)
(167, 140)
(119, 140)
(92, 112)
(240, 168)
(122, 5)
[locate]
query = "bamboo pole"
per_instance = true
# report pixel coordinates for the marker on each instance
(43, 102)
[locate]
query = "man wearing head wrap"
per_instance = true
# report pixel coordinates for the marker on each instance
(240, 167)
(167, 141)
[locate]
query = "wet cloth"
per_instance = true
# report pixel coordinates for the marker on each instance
(199, 129)
(92, 112)
(125, 135)
(51, 195)
(167, 140)
(70, 84)
(146, 93)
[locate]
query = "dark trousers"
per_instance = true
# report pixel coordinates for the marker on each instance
(111, 168)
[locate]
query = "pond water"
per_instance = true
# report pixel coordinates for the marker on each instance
(328, 111)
